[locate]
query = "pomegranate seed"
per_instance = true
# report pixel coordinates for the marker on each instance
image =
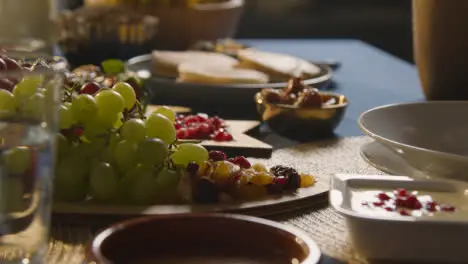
(177, 125)
(191, 119)
(205, 129)
(227, 136)
(78, 131)
(182, 133)
(383, 196)
(202, 117)
(403, 212)
(431, 206)
(378, 204)
(217, 155)
(412, 202)
(241, 161)
(447, 208)
(216, 122)
(192, 132)
(280, 180)
(401, 192)
(401, 202)
(389, 209)
(236, 177)
(222, 136)
(90, 88)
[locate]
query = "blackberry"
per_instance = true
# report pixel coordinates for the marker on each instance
(192, 168)
(293, 178)
(205, 191)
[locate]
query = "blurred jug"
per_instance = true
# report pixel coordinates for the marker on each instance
(440, 29)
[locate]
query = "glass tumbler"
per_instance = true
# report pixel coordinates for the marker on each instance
(29, 103)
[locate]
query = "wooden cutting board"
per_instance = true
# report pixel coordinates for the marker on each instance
(242, 145)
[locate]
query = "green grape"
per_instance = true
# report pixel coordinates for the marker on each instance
(168, 179)
(104, 182)
(167, 112)
(62, 145)
(144, 189)
(152, 151)
(66, 117)
(125, 155)
(67, 104)
(114, 138)
(133, 130)
(107, 155)
(34, 106)
(28, 86)
(84, 108)
(12, 195)
(118, 122)
(127, 93)
(96, 126)
(71, 180)
(83, 150)
(7, 103)
(110, 103)
(97, 145)
(125, 186)
(17, 160)
(159, 126)
(186, 153)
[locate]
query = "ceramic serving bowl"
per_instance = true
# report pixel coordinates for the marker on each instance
(429, 136)
(383, 232)
(209, 238)
(302, 121)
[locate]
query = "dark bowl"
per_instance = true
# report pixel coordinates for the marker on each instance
(302, 121)
(209, 238)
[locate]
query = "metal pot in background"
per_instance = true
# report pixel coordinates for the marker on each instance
(89, 35)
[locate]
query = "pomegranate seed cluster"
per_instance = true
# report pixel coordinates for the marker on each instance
(202, 126)
(238, 179)
(404, 202)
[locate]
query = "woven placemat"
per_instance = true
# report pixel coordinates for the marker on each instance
(324, 225)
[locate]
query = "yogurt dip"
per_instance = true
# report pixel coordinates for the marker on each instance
(406, 202)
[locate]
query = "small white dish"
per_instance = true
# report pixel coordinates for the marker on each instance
(381, 235)
(384, 159)
(430, 136)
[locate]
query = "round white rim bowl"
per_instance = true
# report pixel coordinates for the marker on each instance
(430, 136)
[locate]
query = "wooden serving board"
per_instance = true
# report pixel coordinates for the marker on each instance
(242, 145)
(84, 213)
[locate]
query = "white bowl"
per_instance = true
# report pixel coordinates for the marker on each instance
(432, 137)
(439, 238)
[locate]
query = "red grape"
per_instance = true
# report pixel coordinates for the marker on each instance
(6, 84)
(11, 64)
(3, 65)
(90, 88)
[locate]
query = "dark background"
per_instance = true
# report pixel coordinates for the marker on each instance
(383, 23)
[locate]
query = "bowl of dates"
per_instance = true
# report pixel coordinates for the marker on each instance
(299, 110)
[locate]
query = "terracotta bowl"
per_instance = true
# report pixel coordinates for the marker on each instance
(209, 238)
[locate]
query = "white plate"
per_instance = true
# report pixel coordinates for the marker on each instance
(384, 159)
(389, 236)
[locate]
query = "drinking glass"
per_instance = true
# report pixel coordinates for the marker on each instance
(29, 101)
